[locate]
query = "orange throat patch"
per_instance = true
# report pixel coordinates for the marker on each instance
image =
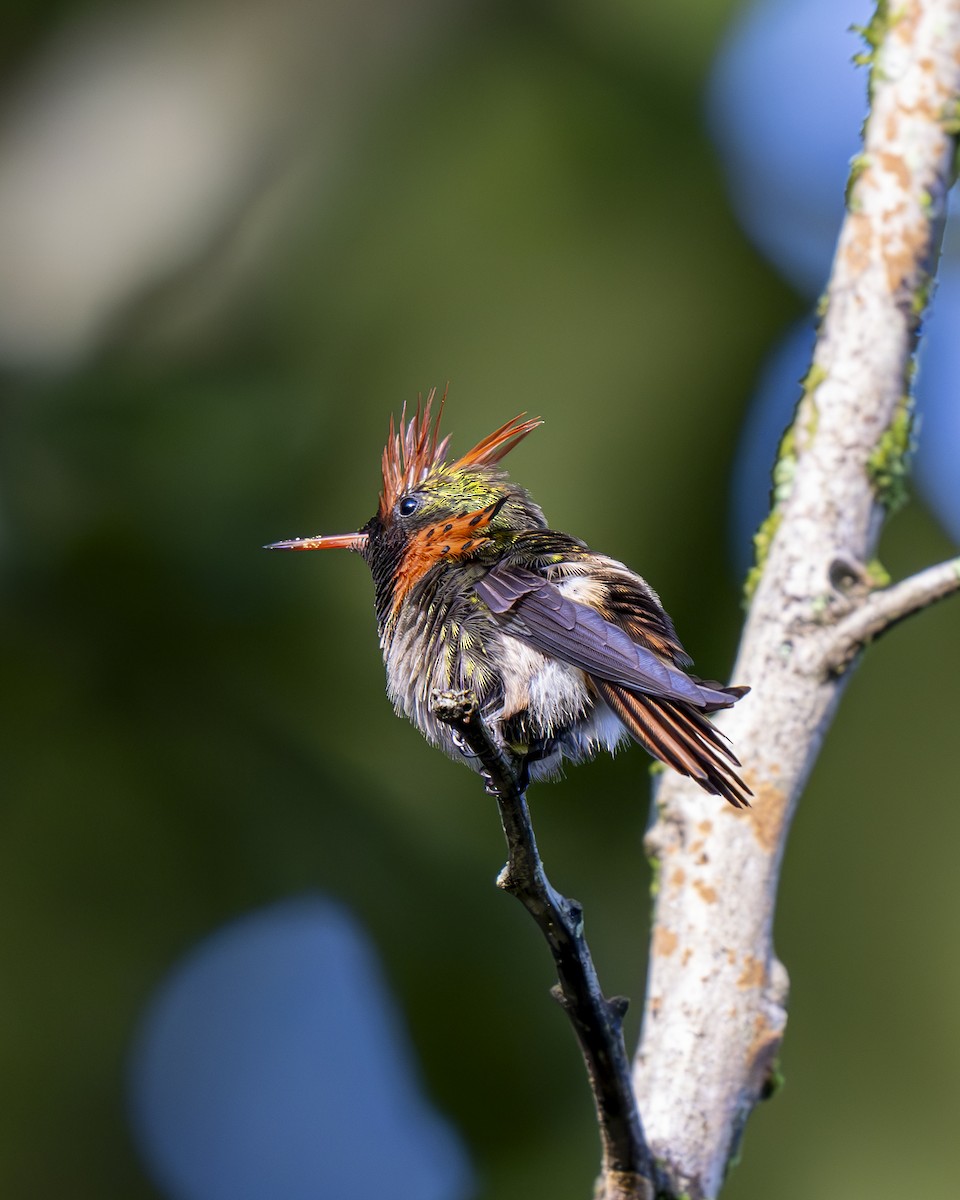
(446, 541)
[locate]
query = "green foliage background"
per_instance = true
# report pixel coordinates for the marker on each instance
(193, 728)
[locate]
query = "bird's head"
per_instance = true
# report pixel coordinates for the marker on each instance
(432, 511)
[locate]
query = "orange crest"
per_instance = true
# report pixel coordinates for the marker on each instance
(416, 451)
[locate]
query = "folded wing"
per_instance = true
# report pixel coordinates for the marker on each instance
(661, 705)
(536, 611)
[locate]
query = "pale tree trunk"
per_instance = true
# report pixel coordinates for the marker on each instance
(716, 996)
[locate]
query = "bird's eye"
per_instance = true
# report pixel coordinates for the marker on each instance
(408, 506)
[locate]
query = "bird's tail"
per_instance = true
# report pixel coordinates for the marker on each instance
(718, 695)
(682, 737)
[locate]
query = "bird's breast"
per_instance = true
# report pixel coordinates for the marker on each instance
(458, 645)
(553, 692)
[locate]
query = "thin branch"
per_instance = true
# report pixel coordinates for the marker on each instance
(627, 1170)
(716, 994)
(883, 609)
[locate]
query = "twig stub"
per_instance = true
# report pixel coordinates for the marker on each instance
(454, 708)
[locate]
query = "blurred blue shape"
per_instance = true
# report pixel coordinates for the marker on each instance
(785, 107)
(271, 1064)
(771, 411)
(938, 403)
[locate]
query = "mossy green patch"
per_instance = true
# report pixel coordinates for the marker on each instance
(813, 378)
(774, 1081)
(874, 34)
(877, 574)
(656, 872)
(762, 541)
(875, 31)
(784, 470)
(921, 298)
(808, 414)
(888, 466)
(858, 164)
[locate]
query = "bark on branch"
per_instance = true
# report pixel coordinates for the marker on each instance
(716, 995)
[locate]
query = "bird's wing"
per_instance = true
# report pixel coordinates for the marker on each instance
(535, 610)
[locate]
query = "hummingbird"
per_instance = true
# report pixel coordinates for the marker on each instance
(567, 651)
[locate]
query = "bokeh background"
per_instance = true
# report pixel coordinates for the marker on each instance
(251, 944)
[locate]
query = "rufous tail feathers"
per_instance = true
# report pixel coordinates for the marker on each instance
(682, 737)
